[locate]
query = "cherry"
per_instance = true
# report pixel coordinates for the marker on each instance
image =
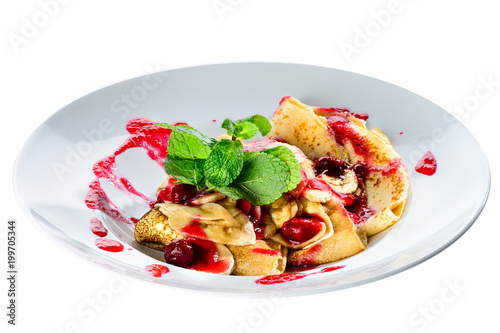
(333, 166)
(303, 182)
(347, 198)
(182, 193)
(300, 229)
(254, 214)
(179, 253)
(361, 170)
(164, 195)
(244, 205)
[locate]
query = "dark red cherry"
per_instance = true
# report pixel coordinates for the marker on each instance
(361, 170)
(301, 229)
(333, 166)
(244, 205)
(179, 253)
(182, 193)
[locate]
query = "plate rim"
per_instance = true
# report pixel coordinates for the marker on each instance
(256, 291)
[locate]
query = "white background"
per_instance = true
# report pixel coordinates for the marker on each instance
(438, 49)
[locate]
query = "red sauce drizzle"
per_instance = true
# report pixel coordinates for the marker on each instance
(107, 169)
(207, 257)
(267, 252)
(194, 229)
(284, 99)
(179, 123)
(389, 169)
(343, 111)
(143, 133)
(361, 115)
(156, 270)
(109, 245)
(287, 277)
(393, 166)
(97, 199)
(427, 164)
(97, 228)
(308, 258)
(340, 128)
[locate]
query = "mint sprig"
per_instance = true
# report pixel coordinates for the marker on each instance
(262, 180)
(224, 163)
(285, 154)
(259, 177)
(247, 128)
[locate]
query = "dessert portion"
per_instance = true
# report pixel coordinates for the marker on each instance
(311, 193)
(338, 133)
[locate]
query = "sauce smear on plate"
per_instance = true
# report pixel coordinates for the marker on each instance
(143, 133)
(109, 245)
(98, 228)
(287, 277)
(427, 164)
(156, 270)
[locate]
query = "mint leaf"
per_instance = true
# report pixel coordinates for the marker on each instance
(232, 192)
(187, 143)
(228, 125)
(224, 163)
(286, 155)
(184, 170)
(187, 146)
(245, 130)
(260, 121)
(262, 180)
(188, 130)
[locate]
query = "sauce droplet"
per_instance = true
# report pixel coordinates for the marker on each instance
(157, 270)
(427, 164)
(109, 245)
(98, 228)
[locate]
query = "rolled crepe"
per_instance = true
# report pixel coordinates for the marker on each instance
(387, 184)
(265, 257)
(220, 223)
(348, 239)
(153, 230)
(315, 209)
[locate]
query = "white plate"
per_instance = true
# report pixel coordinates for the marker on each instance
(54, 168)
